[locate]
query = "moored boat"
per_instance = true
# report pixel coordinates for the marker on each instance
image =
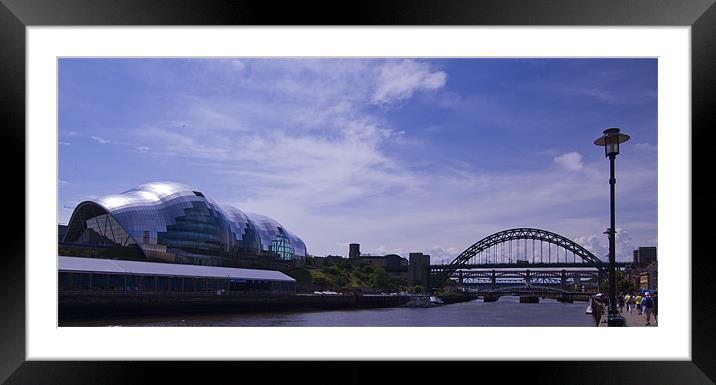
(420, 301)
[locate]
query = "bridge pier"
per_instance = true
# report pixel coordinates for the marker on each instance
(565, 298)
(563, 280)
(529, 299)
(493, 279)
(491, 297)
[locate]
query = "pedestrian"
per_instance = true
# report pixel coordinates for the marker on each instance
(629, 302)
(637, 301)
(647, 307)
(621, 302)
(656, 307)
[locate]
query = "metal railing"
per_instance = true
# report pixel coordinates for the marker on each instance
(597, 310)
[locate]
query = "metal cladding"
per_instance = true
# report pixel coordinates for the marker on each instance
(174, 222)
(113, 266)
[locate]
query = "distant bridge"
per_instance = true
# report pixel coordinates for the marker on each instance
(510, 249)
(526, 290)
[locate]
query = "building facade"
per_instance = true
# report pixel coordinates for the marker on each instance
(98, 276)
(392, 263)
(418, 270)
(644, 256)
(173, 222)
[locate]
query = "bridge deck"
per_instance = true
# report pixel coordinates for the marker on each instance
(524, 266)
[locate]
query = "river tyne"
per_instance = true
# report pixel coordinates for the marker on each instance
(507, 312)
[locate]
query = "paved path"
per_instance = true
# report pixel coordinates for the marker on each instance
(633, 319)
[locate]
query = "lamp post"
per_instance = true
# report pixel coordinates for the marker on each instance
(610, 141)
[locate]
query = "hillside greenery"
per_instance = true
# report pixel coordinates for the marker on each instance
(344, 275)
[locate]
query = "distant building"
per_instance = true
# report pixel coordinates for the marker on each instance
(652, 275)
(334, 259)
(375, 260)
(644, 256)
(392, 263)
(318, 261)
(644, 270)
(418, 270)
(354, 250)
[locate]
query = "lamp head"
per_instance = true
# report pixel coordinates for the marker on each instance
(610, 141)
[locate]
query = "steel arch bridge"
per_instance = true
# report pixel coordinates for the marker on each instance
(486, 253)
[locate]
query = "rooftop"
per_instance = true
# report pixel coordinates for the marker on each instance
(77, 264)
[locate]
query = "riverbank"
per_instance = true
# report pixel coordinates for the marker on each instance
(98, 307)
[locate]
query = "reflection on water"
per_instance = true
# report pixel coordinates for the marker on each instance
(505, 312)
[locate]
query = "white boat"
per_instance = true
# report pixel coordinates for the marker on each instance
(436, 300)
(589, 309)
(419, 301)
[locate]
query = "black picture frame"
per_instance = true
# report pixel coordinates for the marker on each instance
(15, 15)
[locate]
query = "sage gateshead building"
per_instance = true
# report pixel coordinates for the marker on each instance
(173, 222)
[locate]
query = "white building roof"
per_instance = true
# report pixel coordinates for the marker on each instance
(77, 264)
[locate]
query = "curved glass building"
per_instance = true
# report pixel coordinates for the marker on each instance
(173, 222)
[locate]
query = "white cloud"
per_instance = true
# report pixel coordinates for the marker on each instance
(398, 80)
(571, 161)
(598, 244)
(64, 143)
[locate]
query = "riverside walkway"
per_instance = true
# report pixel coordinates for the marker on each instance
(632, 319)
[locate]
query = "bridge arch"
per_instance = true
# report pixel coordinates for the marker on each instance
(521, 233)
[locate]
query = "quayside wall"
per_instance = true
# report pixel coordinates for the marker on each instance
(102, 307)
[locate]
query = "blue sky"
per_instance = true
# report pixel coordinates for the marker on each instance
(399, 155)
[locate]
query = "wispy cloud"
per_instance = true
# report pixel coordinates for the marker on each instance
(571, 161)
(399, 80)
(100, 140)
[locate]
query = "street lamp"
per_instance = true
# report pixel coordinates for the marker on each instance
(610, 141)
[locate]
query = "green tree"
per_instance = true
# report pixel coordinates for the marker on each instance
(380, 279)
(345, 264)
(300, 275)
(321, 282)
(417, 289)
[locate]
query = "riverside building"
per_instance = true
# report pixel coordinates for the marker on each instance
(173, 222)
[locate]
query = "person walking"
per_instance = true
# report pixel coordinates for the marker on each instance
(647, 308)
(629, 302)
(656, 307)
(637, 301)
(621, 302)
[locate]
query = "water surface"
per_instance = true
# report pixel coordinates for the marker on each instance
(505, 312)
